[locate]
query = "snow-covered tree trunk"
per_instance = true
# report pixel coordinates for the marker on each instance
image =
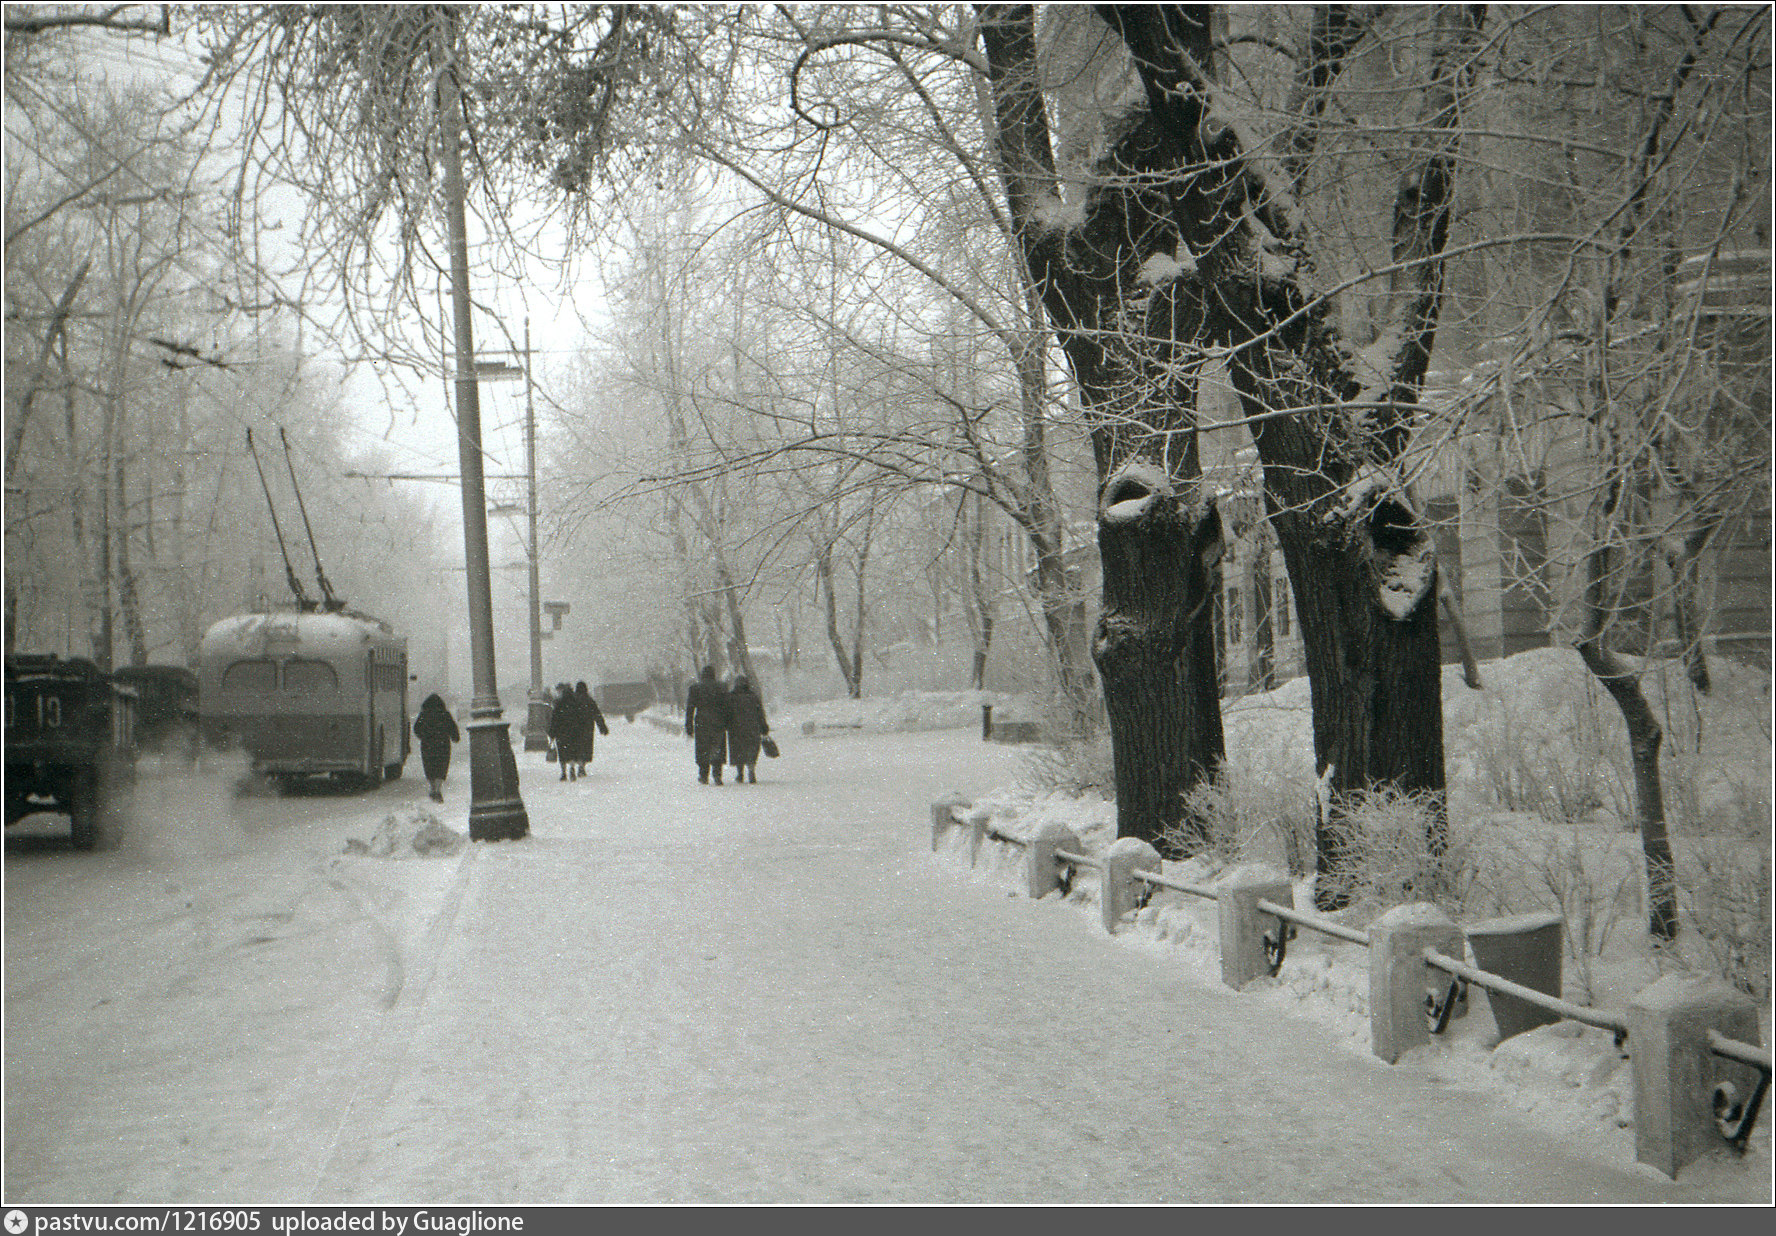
(1330, 419)
(1158, 532)
(1190, 243)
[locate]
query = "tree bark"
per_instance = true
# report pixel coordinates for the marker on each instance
(850, 667)
(1158, 534)
(979, 601)
(1359, 558)
(1645, 736)
(129, 600)
(58, 318)
(1623, 471)
(1175, 183)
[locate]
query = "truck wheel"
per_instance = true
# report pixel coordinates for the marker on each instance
(391, 772)
(84, 806)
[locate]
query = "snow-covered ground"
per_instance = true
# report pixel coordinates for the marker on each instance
(284, 1000)
(1541, 727)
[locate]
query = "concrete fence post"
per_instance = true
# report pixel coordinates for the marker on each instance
(945, 813)
(1399, 979)
(1121, 890)
(1243, 924)
(1043, 877)
(1674, 1072)
(1527, 949)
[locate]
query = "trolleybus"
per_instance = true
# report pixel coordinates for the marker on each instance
(305, 693)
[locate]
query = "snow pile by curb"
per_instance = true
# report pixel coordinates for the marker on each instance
(410, 832)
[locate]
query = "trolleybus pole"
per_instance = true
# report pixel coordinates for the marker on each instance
(536, 729)
(496, 812)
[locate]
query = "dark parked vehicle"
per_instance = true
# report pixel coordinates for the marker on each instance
(166, 706)
(70, 741)
(627, 697)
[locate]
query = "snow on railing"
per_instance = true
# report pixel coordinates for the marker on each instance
(1682, 1030)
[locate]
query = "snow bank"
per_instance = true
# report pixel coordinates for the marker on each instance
(410, 832)
(907, 712)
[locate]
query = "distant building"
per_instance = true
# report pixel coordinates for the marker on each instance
(1510, 544)
(1502, 500)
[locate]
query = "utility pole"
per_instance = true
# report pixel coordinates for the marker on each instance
(496, 812)
(536, 729)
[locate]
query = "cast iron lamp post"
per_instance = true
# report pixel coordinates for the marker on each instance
(496, 812)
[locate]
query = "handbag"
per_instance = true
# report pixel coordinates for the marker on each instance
(769, 746)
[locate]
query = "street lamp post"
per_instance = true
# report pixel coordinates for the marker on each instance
(496, 811)
(536, 729)
(536, 726)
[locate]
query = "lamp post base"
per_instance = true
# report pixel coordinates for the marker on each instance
(536, 725)
(496, 812)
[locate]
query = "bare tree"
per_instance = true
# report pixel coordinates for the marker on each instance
(1186, 245)
(1635, 397)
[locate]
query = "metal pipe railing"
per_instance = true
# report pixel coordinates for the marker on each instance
(1504, 986)
(1315, 922)
(1079, 860)
(1744, 1053)
(1735, 1115)
(1195, 890)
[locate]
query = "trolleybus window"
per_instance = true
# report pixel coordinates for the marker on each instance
(310, 678)
(250, 676)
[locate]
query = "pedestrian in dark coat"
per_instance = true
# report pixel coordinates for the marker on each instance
(561, 722)
(746, 726)
(436, 730)
(706, 721)
(586, 717)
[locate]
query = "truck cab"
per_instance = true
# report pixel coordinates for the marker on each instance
(70, 741)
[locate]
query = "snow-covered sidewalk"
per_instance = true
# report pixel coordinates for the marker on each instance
(682, 993)
(676, 993)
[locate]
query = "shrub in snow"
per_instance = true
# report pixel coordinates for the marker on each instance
(1247, 819)
(1723, 884)
(1384, 858)
(1076, 768)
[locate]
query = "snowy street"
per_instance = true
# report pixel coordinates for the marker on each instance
(671, 993)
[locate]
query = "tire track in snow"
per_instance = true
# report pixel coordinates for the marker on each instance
(343, 1162)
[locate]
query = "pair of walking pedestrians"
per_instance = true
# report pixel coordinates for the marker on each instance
(572, 719)
(728, 727)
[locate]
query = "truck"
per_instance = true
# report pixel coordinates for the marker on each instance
(70, 742)
(625, 694)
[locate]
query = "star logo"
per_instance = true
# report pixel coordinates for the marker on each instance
(16, 1222)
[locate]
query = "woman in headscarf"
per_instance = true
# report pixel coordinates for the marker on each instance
(586, 715)
(746, 726)
(436, 730)
(561, 720)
